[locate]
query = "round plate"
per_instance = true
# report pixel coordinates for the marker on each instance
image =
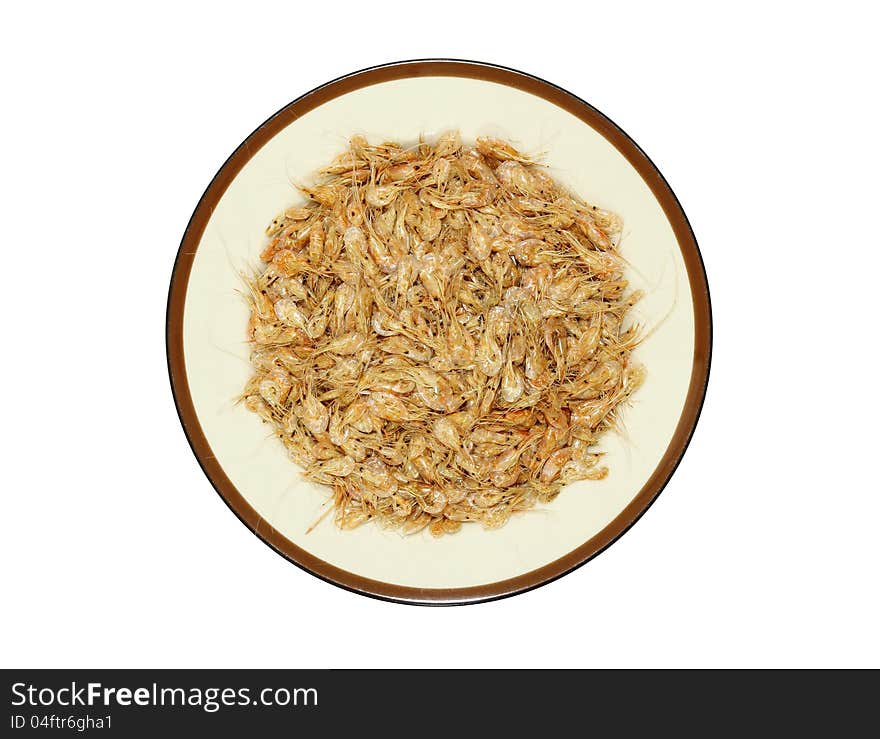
(208, 354)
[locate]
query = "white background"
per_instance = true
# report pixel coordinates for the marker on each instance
(762, 551)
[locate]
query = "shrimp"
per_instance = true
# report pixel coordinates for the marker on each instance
(513, 176)
(402, 171)
(405, 347)
(554, 464)
(289, 313)
(595, 234)
(447, 433)
(512, 385)
(448, 144)
(475, 165)
(287, 263)
(388, 406)
(500, 150)
(314, 414)
(316, 244)
(380, 196)
(348, 343)
(377, 474)
(489, 356)
(479, 243)
(275, 388)
(585, 346)
(322, 471)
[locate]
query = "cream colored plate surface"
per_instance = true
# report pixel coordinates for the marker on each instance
(216, 352)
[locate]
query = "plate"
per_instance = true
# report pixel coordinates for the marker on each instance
(208, 354)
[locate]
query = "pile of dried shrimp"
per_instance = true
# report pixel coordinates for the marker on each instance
(437, 334)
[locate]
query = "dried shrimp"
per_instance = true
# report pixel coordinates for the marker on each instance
(438, 334)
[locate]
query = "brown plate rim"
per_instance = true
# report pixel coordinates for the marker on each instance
(694, 399)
